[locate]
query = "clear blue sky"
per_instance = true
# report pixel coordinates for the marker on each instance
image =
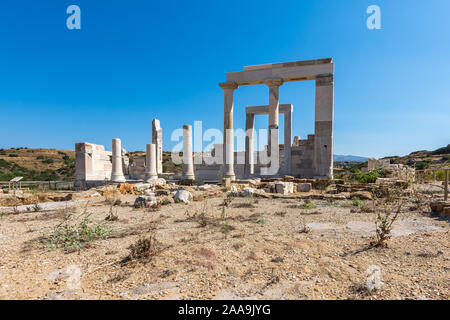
(133, 61)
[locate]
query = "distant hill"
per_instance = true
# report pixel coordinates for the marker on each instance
(425, 159)
(37, 164)
(348, 158)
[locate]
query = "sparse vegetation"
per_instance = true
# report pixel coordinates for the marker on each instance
(74, 233)
(307, 206)
(36, 165)
(369, 177)
(144, 249)
(356, 202)
(261, 220)
(383, 223)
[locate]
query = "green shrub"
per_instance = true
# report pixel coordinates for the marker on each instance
(421, 165)
(369, 177)
(71, 234)
(48, 161)
(13, 155)
(308, 206)
(440, 175)
(356, 202)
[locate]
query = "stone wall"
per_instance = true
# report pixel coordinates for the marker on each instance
(92, 163)
(372, 163)
(303, 157)
(394, 171)
(137, 168)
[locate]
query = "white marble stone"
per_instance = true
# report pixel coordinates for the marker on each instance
(157, 141)
(188, 161)
(150, 163)
(117, 169)
(228, 151)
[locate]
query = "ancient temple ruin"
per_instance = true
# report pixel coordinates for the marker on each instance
(308, 158)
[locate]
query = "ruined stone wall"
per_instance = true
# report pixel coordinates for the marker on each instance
(372, 164)
(393, 171)
(303, 157)
(137, 168)
(92, 163)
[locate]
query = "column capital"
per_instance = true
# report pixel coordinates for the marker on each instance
(228, 85)
(274, 82)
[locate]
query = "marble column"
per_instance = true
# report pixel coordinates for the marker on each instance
(228, 143)
(274, 105)
(150, 163)
(157, 141)
(117, 169)
(249, 168)
(188, 161)
(274, 111)
(323, 131)
(287, 141)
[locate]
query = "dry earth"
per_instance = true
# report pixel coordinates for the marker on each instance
(257, 249)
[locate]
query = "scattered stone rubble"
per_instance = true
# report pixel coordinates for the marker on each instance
(392, 171)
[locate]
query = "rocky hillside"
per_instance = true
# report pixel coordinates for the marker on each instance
(37, 164)
(425, 159)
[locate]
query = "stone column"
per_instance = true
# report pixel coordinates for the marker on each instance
(228, 136)
(274, 105)
(117, 169)
(323, 131)
(157, 141)
(150, 163)
(188, 161)
(287, 140)
(249, 168)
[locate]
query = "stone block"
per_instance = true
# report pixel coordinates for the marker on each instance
(145, 201)
(182, 196)
(284, 188)
(304, 187)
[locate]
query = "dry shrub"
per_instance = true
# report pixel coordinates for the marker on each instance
(154, 207)
(145, 249)
(111, 192)
(384, 222)
(247, 204)
(10, 202)
(112, 216)
(126, 188)
(43, 197)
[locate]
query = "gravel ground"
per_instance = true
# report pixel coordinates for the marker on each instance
(255, 249)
